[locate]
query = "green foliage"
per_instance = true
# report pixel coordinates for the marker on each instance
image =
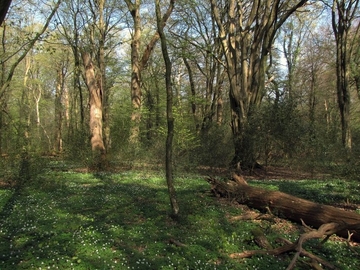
(216, 148)
(279, 130)
(121, 221)
(78, 148)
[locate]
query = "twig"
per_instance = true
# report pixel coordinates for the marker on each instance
(310, 255)
(176, 243)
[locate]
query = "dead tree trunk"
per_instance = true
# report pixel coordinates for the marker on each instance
(287, 206)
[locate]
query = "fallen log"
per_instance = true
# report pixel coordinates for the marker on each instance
(288, 206)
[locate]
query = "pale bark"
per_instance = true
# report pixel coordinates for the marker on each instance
(59, 113)
(102, 68)
(95, 102)
(247, 35)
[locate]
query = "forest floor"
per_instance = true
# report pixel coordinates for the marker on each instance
(269, 172)
(70, 218)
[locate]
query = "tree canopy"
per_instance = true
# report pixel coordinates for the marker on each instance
(253, 82)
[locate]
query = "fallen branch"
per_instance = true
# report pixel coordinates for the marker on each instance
(324, 230)
(287, 206)
(176, 243)
(310, 255)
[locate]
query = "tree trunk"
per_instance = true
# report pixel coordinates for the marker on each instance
(343, 13)
(169, 113)
(60, 83)
(95, 101)
(192, 90)
(247, 35)
(29, 45)
(287, 206)
(134, 9)
(138, 64)
(103, 82)
(4, 6)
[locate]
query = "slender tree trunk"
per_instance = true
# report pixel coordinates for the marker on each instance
(138, 64)
(24, 170)
(58, 147)
(219, 97)
(192, 91)
(27, 48)
(134, 9)
(78, 88)
(3, 105)
(169, 112)
(342, 86)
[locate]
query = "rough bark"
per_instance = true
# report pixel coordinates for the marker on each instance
(102, 67)
(288, 206)
(95, 101)
(247, 35)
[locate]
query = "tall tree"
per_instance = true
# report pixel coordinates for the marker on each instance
(71, 24)
(138, 63)
(92, 34)
(343, 14)
(11, 59)
(202, 55)
(62, 69)
(25, 49)
(169, 109)
(96, 111)
(247, 30)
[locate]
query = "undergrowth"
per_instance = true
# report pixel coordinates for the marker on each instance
(70, 220)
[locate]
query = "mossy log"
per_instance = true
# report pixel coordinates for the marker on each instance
(288, 206)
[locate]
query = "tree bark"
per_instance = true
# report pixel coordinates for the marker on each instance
(169, 113)
(287, 206)
(139, 63)
(59, 113)
(343, 13)
(95, 101)
(247, 35)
